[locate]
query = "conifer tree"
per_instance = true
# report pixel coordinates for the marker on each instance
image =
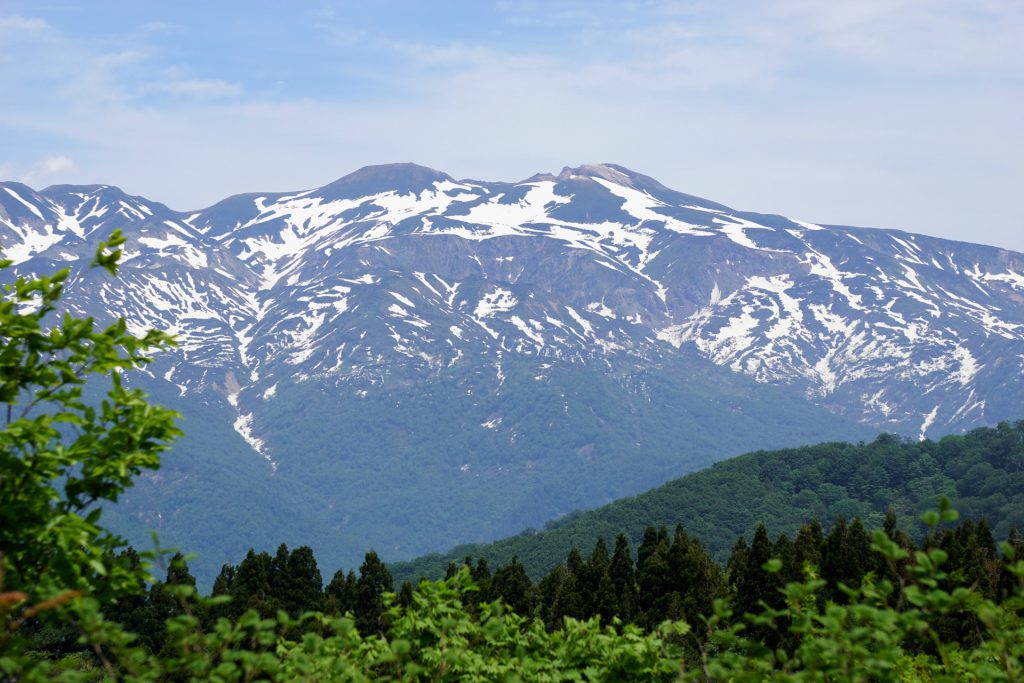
(574, 562)
(405, 594)
(223, 585)
(512, 584)
(756, 584)
(374, 581)
(894, 571)
(301, 585)
(178, 573)
(605, 603)
(279, 566)
(847, 557)
(340, 594)
(859, 542)
(599, 560)
(649, 544)
(482, 578)
(164, 603)
(737, 563)
(654, 583)
(700, 581)
(251, 588)
(988, 558)
(546, 592)
(806, 551)
(623, 579)
(567, 600)
(784, 550)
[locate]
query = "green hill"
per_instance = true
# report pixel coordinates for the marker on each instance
(981, 471)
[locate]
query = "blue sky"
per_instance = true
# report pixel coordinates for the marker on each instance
(888, 113)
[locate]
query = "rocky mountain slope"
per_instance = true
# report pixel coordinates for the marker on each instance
(400, 346)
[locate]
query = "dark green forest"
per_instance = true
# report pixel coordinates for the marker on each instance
(670, 576)
(981, 471)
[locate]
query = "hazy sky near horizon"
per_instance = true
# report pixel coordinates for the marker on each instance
(885, 113)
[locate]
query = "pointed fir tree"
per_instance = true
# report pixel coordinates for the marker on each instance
(649, 544)
(896, 572)
(165, 602)
(701, 582)
(340, 594)
(654, 584)
(605, 602)
(756, 584)
(988, 557)
(623, 578)
(737, 563)
(783, 549)
(279, 564)
(546, 592)
(405, 594)
(567, 602)
(482, 578)
(223, 585)
(374, 581)
(251, 588)
(513, 586)
(806, 551)
(302, 585)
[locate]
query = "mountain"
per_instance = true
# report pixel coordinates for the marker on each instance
(405, 361)
(981, 472)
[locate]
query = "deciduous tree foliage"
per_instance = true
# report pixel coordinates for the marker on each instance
(62, 454)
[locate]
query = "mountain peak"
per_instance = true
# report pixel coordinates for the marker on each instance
(610, 172)
(400, 177)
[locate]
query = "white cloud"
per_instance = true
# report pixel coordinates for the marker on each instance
(199, 88)
(55, 166)
(450, 54)
(158, 27)
(16, 22)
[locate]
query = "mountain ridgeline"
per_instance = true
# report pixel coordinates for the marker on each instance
(405, 361)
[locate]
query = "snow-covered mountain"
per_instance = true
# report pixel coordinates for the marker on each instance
(396, 277)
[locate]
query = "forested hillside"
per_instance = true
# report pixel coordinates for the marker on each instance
(981, 471)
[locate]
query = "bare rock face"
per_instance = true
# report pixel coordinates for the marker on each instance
(617, 305)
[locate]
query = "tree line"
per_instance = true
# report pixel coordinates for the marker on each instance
(670, 577)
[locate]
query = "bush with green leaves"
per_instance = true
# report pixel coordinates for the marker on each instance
(66, 447)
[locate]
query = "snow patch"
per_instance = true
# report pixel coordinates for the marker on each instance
(498, 301)
(929, 419)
